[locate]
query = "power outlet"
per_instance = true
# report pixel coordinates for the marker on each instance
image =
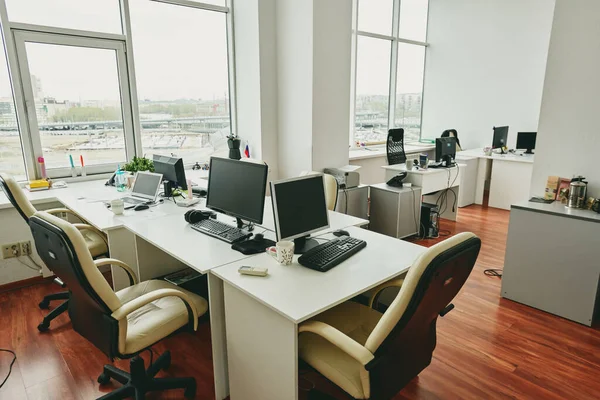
(11, 250)
(26, 248)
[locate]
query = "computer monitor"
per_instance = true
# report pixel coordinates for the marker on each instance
(445, 150)
(300, 209)
(500, 137)
(526, 140)
(237, 188)
(172, 170)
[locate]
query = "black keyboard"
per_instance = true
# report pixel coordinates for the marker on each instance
(219, 230)
(327, 255)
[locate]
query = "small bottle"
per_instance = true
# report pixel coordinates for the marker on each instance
(120, 181)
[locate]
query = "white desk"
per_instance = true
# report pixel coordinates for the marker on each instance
(370, 160)
(432, 181)
(262, 314)
(509, 176)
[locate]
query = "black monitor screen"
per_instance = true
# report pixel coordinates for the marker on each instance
(299, 206)
(526, 140)
(500, 137)
(445, 146)
(237, 188)
(172, 170)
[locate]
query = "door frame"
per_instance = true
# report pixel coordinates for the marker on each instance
(23, 34)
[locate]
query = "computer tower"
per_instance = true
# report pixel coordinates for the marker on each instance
(429, 220)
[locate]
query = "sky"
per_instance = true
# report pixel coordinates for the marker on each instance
(181, 52)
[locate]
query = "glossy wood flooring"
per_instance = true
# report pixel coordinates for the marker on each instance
(488, 347)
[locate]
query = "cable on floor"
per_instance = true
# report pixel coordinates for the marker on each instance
(493, 272)
(11, 365)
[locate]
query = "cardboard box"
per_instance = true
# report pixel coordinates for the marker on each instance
(551, 187)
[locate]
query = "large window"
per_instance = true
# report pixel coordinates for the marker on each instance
(390, 62)
(113, 79)
(182, 80)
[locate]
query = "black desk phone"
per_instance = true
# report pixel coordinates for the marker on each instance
(397, 180)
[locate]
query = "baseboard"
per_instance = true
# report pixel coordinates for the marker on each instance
(25, 282)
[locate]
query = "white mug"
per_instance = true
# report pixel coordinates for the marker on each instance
(283, 252)
(117, 206)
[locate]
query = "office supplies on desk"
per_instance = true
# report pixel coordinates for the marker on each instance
(73, 170)
(299, 208)
(282, 252)
(141, 207)
(187, 202)
(396, 181)
(254, 271)
(341, 232)
(199, 191)
(423, 161)
(329, 254)
(37, 185)
(145, 189)
(347, 177)
(83, 172)
(42, 167)
(220, 230)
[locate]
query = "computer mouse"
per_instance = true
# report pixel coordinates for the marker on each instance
(259, 236)
(141, 207)
(341, 232)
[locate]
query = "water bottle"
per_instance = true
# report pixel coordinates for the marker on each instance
(120, 180)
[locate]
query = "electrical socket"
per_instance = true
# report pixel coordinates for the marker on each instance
(26, 248)
(11, 250)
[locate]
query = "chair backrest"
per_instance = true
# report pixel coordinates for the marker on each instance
(331, 188)
(405, 337)
(395, 146)
(16, 195)
(63, 249)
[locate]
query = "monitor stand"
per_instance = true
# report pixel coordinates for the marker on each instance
(447, 160)
(241, 225)
(304, 244)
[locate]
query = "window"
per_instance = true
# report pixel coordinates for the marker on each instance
(390, 63)
(108, 84)
(183, 93)
(11, 153)
(87, 15)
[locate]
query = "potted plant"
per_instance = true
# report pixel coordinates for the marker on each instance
(139, 164)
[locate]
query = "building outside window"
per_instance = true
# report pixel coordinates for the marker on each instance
(390, 41)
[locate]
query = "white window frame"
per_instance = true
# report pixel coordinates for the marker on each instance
(394, 40)
(28, 130)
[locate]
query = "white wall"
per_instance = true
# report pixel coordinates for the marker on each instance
(485, 67)
(569, 136)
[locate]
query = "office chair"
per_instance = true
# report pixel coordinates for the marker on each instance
(95, 240)
(331, 188)
(121, 324)
(395, 147)
(371, 355)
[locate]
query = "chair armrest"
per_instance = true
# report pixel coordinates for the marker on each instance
(54, 211)
(378, 289)
(141, 301)
(339, 339)
(92, 228)
(113, 261)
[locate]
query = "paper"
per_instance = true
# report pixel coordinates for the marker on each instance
(349, 168)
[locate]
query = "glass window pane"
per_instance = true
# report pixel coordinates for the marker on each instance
(413, 19)
(372, 89)
(11, 152)
(182, 80)
(215, 2)
(78, 104)
(375, 16)
(88, 15)
(409, 90)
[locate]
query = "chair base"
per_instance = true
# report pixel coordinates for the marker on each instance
(45, 304)
(141, 381)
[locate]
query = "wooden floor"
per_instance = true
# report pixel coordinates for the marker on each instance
(488, 347)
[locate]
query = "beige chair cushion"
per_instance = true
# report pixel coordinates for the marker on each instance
(95, 242)
(19, 195)
(155, 320)
(357, 322)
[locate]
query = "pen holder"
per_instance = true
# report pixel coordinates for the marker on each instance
(73, 172)
(83, 173)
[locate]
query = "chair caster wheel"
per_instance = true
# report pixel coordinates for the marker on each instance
(103, 379)
(44, 304)
(43, 327)
(190, 392)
